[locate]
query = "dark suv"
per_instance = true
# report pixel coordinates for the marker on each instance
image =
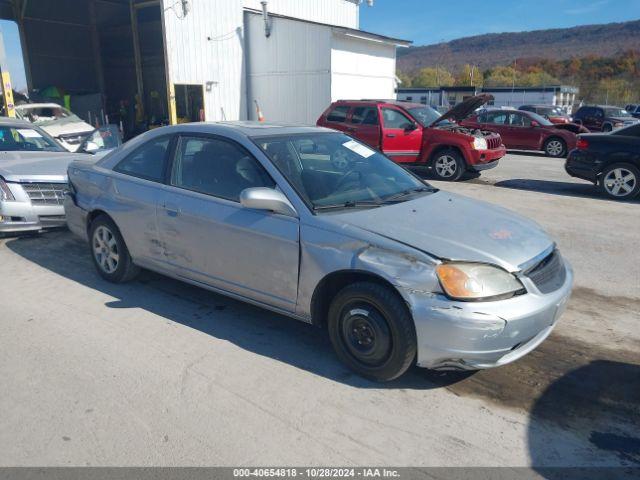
(603, 118)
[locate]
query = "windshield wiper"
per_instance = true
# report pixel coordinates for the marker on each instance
(405, 193)
(348, 204)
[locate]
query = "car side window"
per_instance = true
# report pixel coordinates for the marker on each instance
(147, 161)
(395, 119)
(338, 114)
(365, 116)
(519, 120)
(598, 113)
(498, 118)
(216, 167)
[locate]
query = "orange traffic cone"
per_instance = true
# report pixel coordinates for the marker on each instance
(259, 112)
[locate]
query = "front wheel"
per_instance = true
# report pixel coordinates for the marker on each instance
(607, 128)
(555, 147)
(372, 331)
(620, 181)
(448, 165)
(109, 252)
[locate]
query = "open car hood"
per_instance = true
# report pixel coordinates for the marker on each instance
(464, 109)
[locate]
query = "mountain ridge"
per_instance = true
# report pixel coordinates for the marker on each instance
(491, 49)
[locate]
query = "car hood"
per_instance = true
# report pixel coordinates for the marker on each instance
(466, 108)
(65, 128)
(454, 227)
(35, 166)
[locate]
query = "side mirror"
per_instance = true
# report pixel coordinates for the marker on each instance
(270, 199)
(90, 147)
(410, 127)
(534, 123)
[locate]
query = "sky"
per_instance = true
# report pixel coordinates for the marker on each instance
(433, 21)
(11, 57)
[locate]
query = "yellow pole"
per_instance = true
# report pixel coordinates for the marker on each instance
(7, 95)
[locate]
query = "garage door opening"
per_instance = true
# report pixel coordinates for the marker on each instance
(105, 59)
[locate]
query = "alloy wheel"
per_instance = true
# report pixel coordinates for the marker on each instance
(555, 148)
(620, 182)
(105, 249)
(446, 166)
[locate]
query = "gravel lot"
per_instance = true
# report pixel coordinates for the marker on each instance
(160, 373)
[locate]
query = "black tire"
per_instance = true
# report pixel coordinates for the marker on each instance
(448, 165)
(372, 331)
(555, 147)
(620, 181)
(607, 127)
(105, 241)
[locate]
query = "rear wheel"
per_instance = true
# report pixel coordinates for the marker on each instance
(372, 331)
(448, 165)
(109, 252)
(555, 147)
(620, 181)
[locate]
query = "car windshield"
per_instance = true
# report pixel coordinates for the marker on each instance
(46, 115)
(616, 112)
(333, 171)
(424, 115)
(14, 139)
(540, 119)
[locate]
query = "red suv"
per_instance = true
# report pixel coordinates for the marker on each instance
(417, 134)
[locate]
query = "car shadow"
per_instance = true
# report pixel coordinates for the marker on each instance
(251, 328)
(566, 189)
(599, 405)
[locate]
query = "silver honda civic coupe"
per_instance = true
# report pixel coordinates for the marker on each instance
(315, 225)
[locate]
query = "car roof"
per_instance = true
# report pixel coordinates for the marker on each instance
(254, 129)
(39, 105)
(397, 103)
(15, 122)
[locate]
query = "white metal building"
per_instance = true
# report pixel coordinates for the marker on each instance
(181, 60)
(294, 62)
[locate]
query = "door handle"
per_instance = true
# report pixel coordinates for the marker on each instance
(391, 135)
(171, 210)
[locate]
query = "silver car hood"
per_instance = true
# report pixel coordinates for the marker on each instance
(454, 227)
(36, 166)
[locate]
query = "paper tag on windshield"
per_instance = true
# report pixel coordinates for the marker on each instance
(28, 133)
(358, 148)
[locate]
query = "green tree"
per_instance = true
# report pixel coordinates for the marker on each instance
(406, 79)
(433, 77)
(500, 76)
(470, 75)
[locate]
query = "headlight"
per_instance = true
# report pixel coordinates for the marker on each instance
(476, 281)
(480, 143)
(5, 192)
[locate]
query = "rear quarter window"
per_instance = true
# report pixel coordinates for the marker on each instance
(338, 114)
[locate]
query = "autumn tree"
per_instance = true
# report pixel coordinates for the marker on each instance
(432, 77)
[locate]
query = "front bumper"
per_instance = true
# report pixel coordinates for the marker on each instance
(478, 159)
(455, 335)
(16, 217)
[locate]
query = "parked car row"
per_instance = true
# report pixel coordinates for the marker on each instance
(329, 228)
